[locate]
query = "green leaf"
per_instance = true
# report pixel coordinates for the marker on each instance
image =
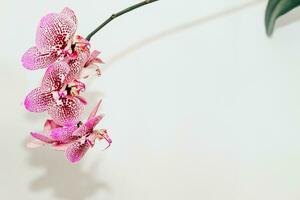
(275, 9)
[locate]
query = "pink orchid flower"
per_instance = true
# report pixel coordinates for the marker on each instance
(61, 100)
(74, 139)
(55, 41)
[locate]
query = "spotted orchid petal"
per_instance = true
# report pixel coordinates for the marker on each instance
(54, 77)
(88, 126)
(69, 13)
(67, 110)
(38, 101)
(63, 134)
(55, 32)
(76, 151)
(33, 59)
(42, 138)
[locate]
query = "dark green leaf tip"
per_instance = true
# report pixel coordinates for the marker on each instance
(275, 9)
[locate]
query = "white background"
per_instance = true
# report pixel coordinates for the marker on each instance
(200, 104)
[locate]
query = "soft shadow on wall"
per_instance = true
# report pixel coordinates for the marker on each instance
(67, 181)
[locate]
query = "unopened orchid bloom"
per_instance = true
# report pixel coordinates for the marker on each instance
(61, 100)
(74, 139)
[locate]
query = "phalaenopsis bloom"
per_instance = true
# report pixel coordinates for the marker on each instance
(67, 59)
(74, 138)
(56, 41)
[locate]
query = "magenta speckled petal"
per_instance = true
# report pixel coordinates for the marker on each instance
(54, 32)
(66, 111)
(38, 101)
(54, 77)
(76, 151)
(88, 126)
(77, 65)
(42, 138)
(33, 59)
(63, 134)
(69, 13)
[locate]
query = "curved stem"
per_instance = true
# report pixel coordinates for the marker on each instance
(114, 16)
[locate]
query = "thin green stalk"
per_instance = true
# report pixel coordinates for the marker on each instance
(118, 14)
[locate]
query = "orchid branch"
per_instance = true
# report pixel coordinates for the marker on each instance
(118, 14)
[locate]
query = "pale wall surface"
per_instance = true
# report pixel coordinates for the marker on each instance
(200, 104)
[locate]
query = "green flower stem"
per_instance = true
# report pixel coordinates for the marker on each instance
(114, 16)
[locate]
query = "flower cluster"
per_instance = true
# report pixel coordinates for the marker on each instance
(67, 59)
